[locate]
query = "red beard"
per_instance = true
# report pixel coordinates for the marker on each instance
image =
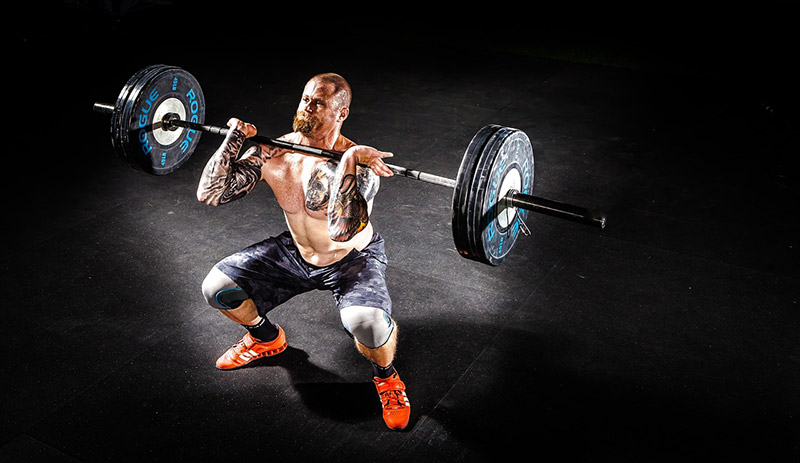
(304, 123)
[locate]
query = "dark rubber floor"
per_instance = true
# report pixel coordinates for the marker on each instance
(672, 335)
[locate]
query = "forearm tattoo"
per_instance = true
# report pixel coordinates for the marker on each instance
(347, 209)
(344, 195)
(225, 178)
(368, 183)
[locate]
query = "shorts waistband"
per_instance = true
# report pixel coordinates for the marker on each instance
(286, 240)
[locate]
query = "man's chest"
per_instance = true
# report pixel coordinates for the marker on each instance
(304, 183)
(301, 183)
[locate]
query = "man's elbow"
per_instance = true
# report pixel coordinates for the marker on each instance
(341, 232)
(341, 237)
(205, 198)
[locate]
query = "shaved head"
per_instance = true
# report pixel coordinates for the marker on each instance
(341, 89)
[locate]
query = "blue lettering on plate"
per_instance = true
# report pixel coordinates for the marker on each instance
(143, 118)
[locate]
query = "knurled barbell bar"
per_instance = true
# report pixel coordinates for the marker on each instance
(158, 117)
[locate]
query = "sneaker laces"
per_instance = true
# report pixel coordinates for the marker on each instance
(238, 346)
(393, 399)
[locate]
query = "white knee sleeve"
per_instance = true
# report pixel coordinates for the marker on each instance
(370, 326)
(221, 292)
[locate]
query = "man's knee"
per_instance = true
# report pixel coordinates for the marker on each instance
(221, 292)
(370, 326)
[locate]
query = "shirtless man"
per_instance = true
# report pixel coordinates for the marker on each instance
(330, 243)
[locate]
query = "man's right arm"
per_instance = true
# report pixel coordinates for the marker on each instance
(225, 178)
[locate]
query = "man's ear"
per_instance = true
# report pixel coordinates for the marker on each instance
(343, 113)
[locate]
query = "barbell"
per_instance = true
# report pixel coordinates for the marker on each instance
(158, 117)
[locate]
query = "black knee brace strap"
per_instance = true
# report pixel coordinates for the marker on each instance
(231, 298)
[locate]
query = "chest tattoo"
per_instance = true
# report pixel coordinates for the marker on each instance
(318, 187)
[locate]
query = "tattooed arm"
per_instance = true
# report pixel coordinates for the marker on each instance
(225, 178)
(348, 210)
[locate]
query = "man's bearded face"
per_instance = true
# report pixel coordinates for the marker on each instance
(305, 123)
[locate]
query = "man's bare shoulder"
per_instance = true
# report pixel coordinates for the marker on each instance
(291, 137)
(343, 144)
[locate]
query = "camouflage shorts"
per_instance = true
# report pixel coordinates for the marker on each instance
(272, 272)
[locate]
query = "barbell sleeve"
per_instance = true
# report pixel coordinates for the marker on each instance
(555, 209)
(104, 108)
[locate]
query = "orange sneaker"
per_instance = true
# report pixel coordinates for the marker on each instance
(249, 349)
(396, 407)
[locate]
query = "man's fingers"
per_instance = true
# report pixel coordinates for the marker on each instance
(380, 168)
(388, 171)
(247, 129)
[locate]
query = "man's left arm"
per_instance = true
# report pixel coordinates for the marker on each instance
(348, 208)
